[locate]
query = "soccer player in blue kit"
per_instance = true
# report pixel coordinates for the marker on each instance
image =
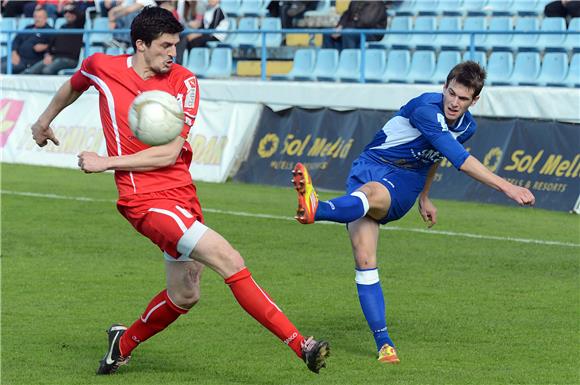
(395, 169)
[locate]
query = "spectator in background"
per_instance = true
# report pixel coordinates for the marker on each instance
(359, 15)
(64, 50)
(106, 5)
(290, 11)
(14, 8)
(213, 18)
(121, 16)
(28, 49)
(563, 8)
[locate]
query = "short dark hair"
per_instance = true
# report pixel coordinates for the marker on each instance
(470, 74)
(151, 23)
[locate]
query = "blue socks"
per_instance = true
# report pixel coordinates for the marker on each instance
(372, 303)
(344, 209)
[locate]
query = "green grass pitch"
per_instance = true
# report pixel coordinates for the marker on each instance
(462, 310)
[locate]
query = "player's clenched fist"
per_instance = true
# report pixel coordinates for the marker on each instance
(42, 134)
(521, 196)
(91, 162)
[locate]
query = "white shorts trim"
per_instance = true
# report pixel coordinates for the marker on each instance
(187, 242)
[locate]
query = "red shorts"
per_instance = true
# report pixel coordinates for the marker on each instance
(172, 219)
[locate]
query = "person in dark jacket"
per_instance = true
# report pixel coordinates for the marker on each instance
(64, 50)
(359, 15)
(28, 49)
(213, 18)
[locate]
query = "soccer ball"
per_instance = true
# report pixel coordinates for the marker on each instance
(155, 117)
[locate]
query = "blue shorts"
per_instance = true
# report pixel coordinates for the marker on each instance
(403, 185)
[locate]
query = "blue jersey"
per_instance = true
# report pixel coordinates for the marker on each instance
(418, 136)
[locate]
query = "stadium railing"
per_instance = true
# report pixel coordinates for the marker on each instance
(362, 33)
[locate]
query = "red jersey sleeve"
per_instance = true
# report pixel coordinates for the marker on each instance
(189, 88)
(80, 82)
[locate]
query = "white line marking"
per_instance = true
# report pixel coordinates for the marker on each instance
(278, 217)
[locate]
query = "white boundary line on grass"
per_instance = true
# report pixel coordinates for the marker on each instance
(267, 216)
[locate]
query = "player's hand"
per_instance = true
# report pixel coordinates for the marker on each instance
(42, 133)
(521, 195)
(91, 162)
(428, 211)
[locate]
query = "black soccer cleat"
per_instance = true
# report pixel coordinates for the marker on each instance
(113, 358)
(314, 353)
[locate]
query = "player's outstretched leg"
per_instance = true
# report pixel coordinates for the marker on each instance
(113, 358)
(343, 209)
(315, 353)
(307, 197)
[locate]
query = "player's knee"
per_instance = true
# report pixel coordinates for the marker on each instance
(187, 298)
(365, 260)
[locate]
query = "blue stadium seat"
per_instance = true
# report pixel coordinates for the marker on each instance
(526, 69)
(114, 51)
(246, 39)
(556, 41)
(7, 23)
(426, 7)
(554, 69)
(272, 39)
(479, 57)
(425, 24)
(445, 62)
(398, 23)
(398, 64)
(302, 66)
(500, 67)
(474, 7)
(349, 66)
(449, 8)
(422, 67)
(375, 64)
(231, 7)
(499, 7)
(24, 22)
(572, 42)
(220, 64)
(453, 42)
(100, 23)
(326, 64)
(500, 41)
(474, 23)
(573, 77)
(198, 60)
(253, 8)
(59, 22)
(92, 50)
(527, 41)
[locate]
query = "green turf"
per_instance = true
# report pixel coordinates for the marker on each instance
(461, 310)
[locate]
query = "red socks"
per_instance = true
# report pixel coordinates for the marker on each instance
(260, 306)
(160, 313)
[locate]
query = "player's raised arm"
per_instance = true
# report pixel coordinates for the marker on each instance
(41, 131)
(475, 169)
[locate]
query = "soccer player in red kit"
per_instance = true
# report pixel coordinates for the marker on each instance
(156, 192)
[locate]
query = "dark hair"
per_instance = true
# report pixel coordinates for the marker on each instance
(151, 23)
(469, 74)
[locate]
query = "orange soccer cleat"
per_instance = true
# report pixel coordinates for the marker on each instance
(307, 197)
(388, 354)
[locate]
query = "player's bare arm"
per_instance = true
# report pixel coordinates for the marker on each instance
(475, 169)
(150, 159)
(427, 209)
(41, 131)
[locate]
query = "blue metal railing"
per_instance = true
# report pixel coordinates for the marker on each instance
(326, 31)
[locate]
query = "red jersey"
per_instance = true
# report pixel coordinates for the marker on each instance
(118, 84)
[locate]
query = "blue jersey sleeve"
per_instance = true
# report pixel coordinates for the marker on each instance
(430, 121)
